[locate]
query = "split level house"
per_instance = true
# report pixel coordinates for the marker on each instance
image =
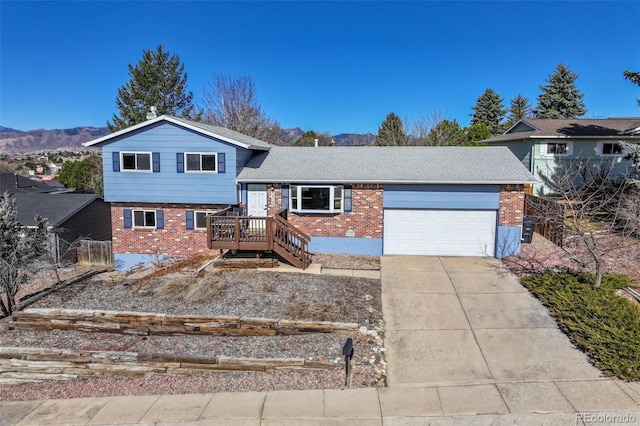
(549, 148)
(170, 182)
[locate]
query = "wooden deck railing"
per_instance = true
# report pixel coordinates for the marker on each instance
(259, 233)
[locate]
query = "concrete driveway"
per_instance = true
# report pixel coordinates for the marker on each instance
(468, 321)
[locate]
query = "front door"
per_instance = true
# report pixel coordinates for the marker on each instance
(257, 199)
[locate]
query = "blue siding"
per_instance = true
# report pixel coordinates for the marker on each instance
(508, 241)
(242, 157)
(474, 197)
(345, 245)
(169, 186)
(126, 261)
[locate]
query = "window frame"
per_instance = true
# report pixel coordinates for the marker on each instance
(600, 150)
(136, 170)
(215, 162)
(295, 196)
(567, 149)
(133, 219)
(195, 218)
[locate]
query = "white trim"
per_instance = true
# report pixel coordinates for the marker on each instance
(136, 170)
(133, 219)
(195, 218)
(215, 155)
(332, 198)
(600, 149)
(176, 122)
(522, 120)
(544, 149)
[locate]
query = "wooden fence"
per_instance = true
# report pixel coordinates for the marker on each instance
(95, 252)
(548, 215)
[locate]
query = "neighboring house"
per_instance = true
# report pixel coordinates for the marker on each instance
(164, 176)
(12, 183)
(549, 147)
(72, 216)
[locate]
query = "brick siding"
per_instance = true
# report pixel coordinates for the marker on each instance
(174, 239)
(511, 205)
(364, 220)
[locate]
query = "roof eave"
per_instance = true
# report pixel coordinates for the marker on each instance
(389, 181)
(178, 123)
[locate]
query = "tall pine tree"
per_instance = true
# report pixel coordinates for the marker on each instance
(490, 111)
(391, 131)
(157, 80)
(560, 98)
(633, 77)
(520, 108)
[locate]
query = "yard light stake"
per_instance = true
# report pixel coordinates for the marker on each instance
(347, 351)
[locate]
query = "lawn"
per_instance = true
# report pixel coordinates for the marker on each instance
(602, 324)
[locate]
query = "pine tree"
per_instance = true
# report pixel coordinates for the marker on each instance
(391, 132)
(309, 139)
(490, 111)
(560, 98)
(446, 133)
(157, 80)
(633, 77)
(520, 108)
(476, 133)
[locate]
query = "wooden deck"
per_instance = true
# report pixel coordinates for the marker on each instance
(261, 234)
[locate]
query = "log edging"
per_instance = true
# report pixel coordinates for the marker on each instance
(147, 323)
(28, 364)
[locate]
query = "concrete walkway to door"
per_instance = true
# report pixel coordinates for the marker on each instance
(466, 326)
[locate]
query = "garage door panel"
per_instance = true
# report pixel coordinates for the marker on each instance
(439, 232)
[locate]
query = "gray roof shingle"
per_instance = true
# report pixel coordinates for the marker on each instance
(56, 208)
(385, 164)
(13, 183)
(576, 128)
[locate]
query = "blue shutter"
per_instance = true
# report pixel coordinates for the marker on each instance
(284, 202)
(221, 162)
(127, 218)
(115, 156)
(159, 219)
(156, 162)
(347, 199)
(180, 162)
(189, 217)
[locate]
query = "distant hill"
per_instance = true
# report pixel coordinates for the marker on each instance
(14, 141)
(354, 139)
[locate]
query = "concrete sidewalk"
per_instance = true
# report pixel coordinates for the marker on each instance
(466, 344)
(582, 402)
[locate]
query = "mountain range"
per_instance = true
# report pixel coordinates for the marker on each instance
(14, 141)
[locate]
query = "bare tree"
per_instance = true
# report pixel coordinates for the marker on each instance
(423, 123)
(20, 252)
(598, 204)
(232, 102)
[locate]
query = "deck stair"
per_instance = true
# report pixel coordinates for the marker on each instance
(262, 234)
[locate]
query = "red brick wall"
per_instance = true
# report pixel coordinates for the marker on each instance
(174, 239)
(511, 205)
(364, 220)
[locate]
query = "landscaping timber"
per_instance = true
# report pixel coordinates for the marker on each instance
(18, 364)
(146, 324)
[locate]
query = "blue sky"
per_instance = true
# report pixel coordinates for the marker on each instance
(324, 66)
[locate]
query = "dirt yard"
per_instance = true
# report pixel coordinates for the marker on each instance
(623, 256)
(244, 292)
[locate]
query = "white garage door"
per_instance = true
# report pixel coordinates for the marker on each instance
(440, 232)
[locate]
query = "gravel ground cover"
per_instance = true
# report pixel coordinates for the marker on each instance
(251, 293)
